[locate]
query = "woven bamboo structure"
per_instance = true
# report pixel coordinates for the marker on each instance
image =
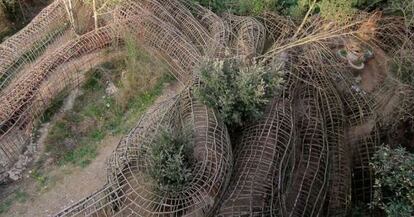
(163, 39)
(261, 159)
(26, 45)
(307, 156)
(248, 35)
(28, 95)
(130, 190)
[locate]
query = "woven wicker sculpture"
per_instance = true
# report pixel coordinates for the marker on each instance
(131, 191)
(307, 156)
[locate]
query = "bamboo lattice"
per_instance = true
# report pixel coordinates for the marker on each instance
(309, 154)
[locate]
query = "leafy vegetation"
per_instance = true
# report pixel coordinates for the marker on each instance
(170, 160)
(338, 10)
(237, 91)
(394, 183)
(44, 181)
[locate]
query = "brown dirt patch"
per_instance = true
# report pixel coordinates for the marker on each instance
(69, 185)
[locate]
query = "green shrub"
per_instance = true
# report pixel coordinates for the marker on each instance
(256, 7)
(237, 91)
(394, 182)
(339, 10)
(244, 7)
(170, 161)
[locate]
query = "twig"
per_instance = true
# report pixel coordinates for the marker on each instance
(304, 19)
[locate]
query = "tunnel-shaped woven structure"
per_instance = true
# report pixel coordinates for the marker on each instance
(261, 157)
(29, 94)
(309, 154)
(131, 191)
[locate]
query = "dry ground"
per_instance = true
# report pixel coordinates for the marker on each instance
(69, 185)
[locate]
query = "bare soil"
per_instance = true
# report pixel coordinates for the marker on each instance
(69, 185)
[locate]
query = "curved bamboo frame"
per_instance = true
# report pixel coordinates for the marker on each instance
(310, 151)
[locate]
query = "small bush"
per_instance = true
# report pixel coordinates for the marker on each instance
(170, 161)
(394, 182)
(338, 10)
(238, 92)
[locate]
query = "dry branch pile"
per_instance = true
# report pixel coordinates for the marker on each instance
(309, 154)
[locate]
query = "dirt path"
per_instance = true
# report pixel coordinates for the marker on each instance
(70, 184)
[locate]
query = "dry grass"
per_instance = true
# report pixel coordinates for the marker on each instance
(142, 72)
